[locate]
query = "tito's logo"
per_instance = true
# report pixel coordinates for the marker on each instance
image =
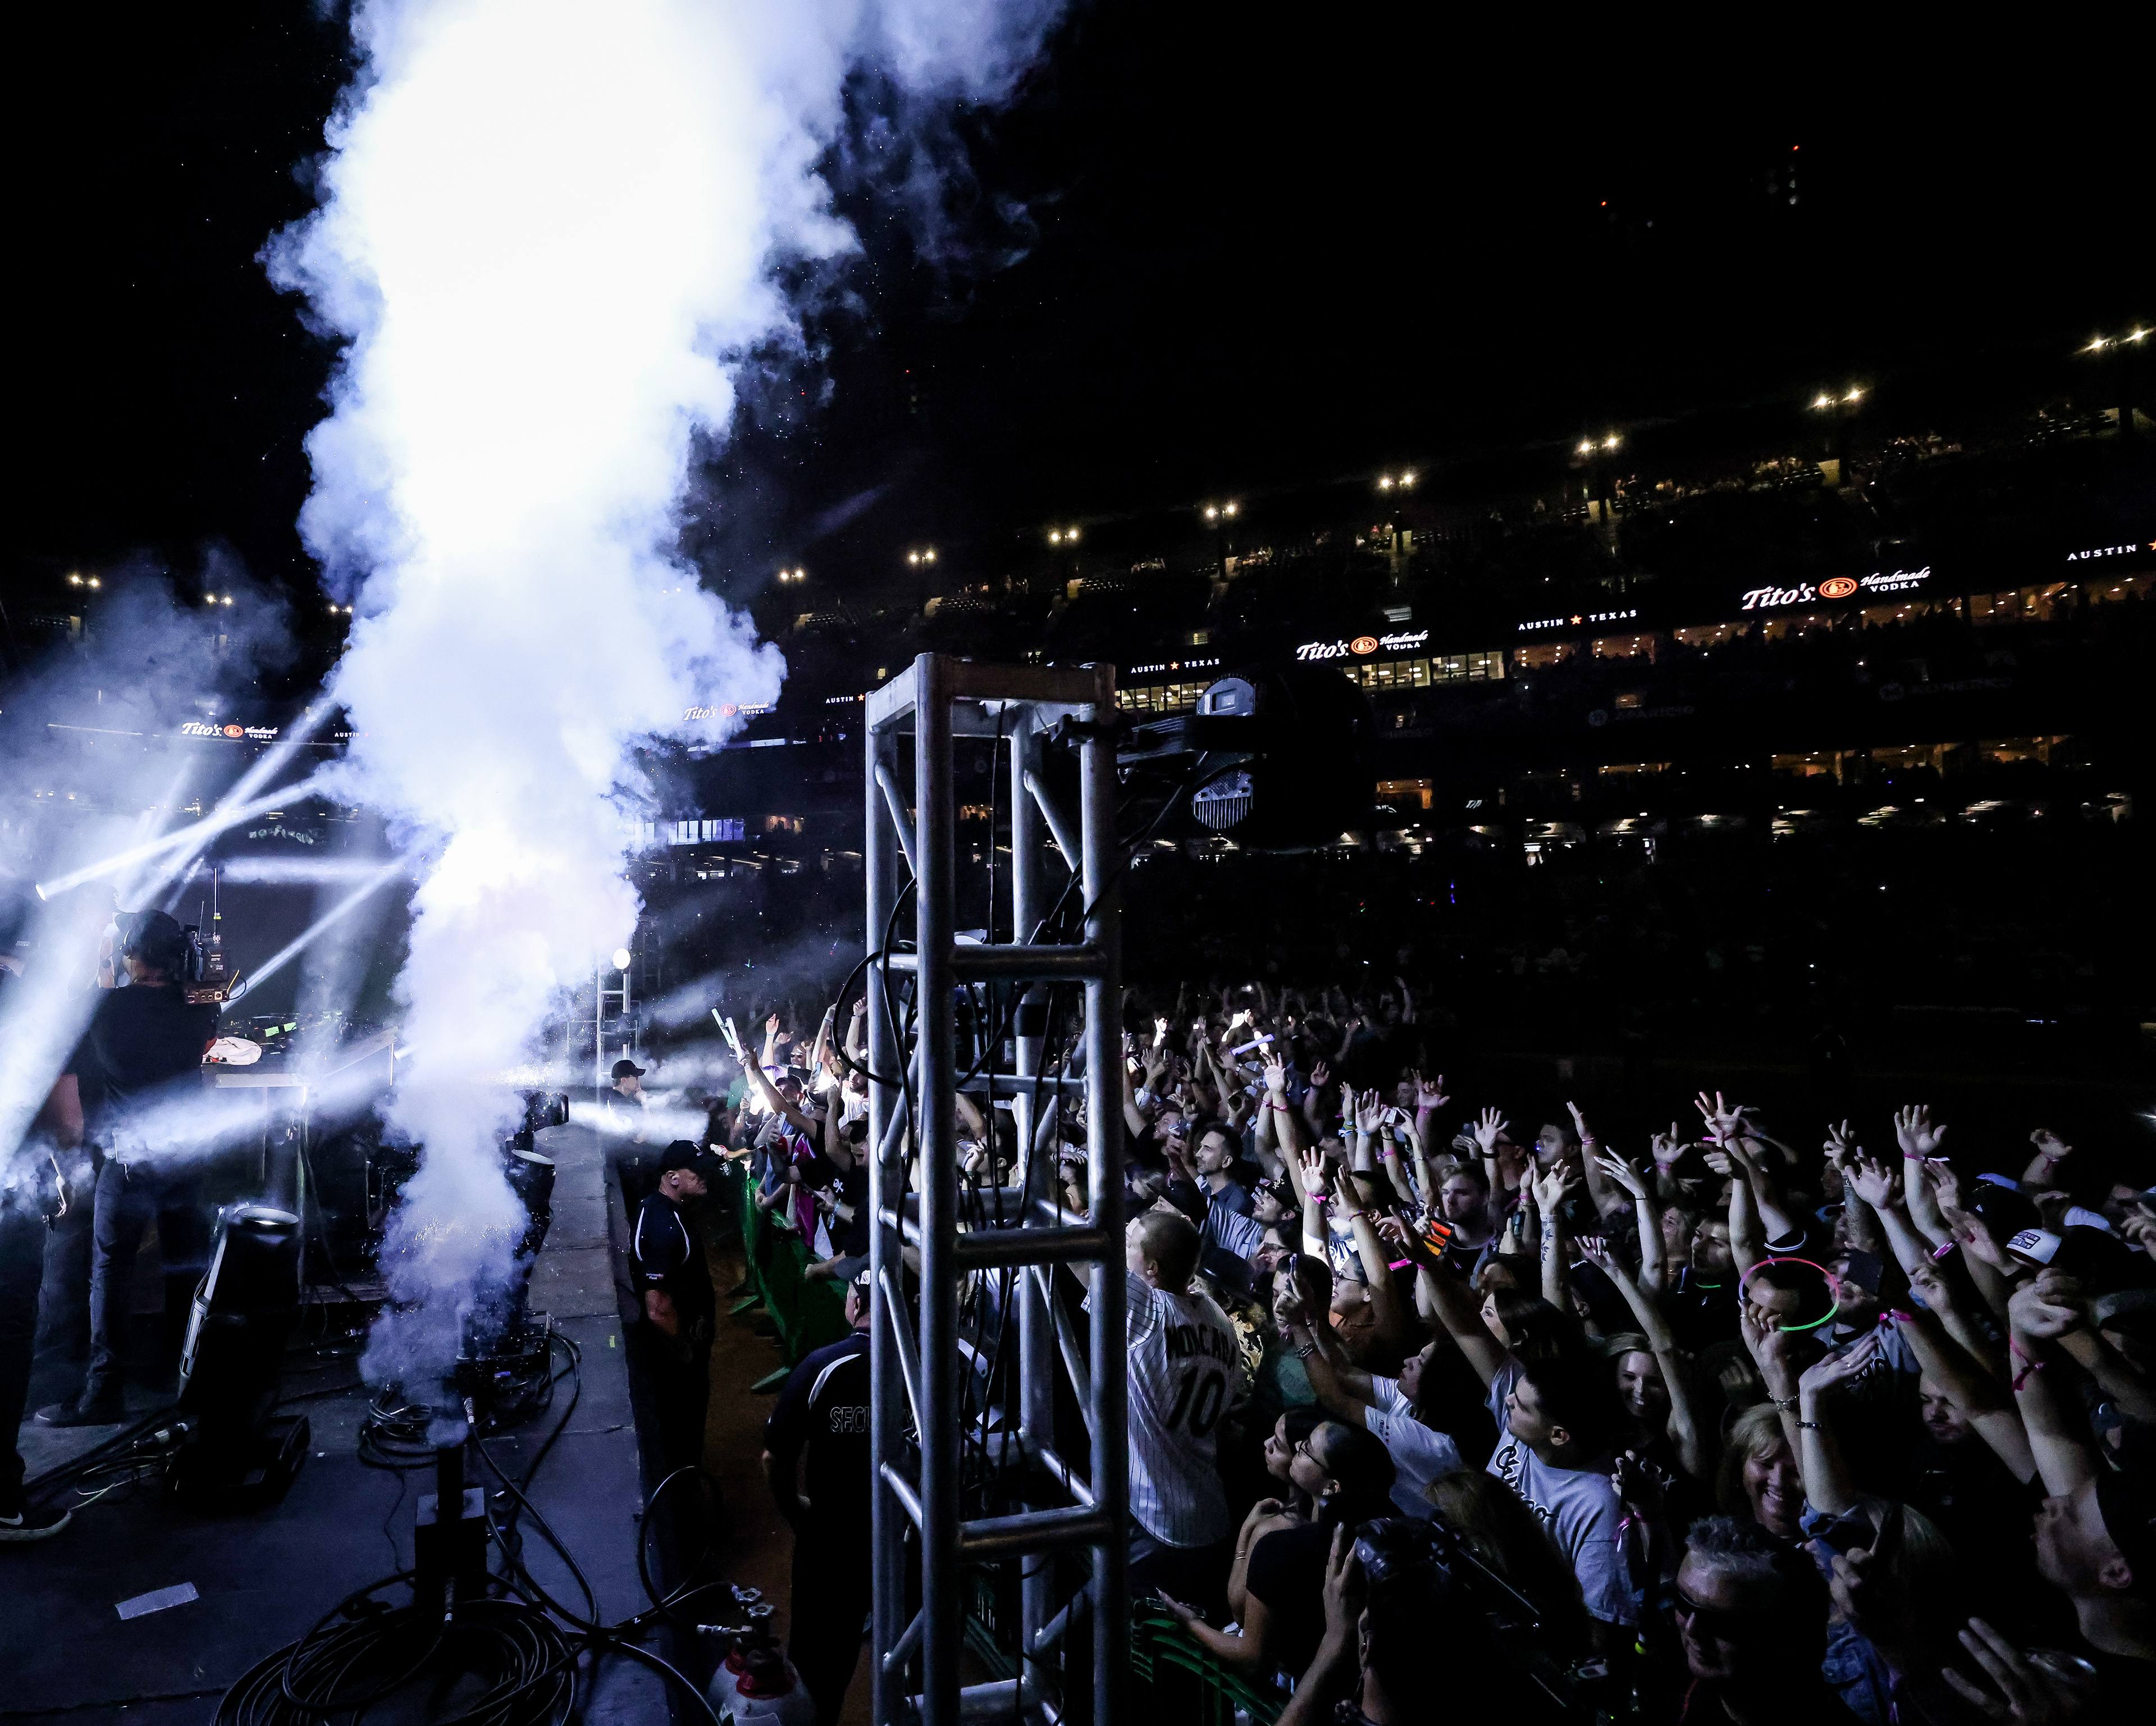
(1363, 643)
(1838, 587)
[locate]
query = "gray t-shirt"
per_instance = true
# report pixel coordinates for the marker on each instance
(1577, 1506)
(1418, 1455)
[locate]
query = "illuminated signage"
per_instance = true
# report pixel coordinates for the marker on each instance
(1174, 665)
(253, 733)
(1582, 617)
(1837, 587)
(842, 700)
(729, 711)
(1363, 645)
(2109, 552)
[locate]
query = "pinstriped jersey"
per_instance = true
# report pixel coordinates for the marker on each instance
(1185, 1369)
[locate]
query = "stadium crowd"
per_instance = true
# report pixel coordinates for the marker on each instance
(1752, 1420)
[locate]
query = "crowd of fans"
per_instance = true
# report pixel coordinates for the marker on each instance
(1743, 1419)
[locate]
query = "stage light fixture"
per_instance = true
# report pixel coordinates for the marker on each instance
(621, 959)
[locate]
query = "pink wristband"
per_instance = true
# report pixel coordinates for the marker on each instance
(1943, 1248)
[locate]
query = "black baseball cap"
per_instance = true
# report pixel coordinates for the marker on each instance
(626, 1069)
(683, 1155)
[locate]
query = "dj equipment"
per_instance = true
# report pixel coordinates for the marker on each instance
(503, 1356)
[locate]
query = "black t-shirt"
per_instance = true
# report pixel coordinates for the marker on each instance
(665, 1254)
(143, 1041)
(1286, 1572)
(824, 1408)
(1702, 1313)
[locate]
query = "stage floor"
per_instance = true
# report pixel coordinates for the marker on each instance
(260, 1579)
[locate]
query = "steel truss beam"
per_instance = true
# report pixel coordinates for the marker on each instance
(916, 1359)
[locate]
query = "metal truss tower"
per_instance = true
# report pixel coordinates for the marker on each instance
(919, 1416)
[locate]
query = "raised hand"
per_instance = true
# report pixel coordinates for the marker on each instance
(1277, 1075)
(1369, 1112)
(2047, 1308)
(1974, 1237)
(1159, 1032)
(1841, 1144)
(1430, 1094)
(1945, 1185)
(2050, 1146)
(1623, 1173)
(1874, 1184)
(1321, 1075)
(1823, 1375)
(771, 1026)
(1668, 1147)
(1489, 1127)
(1723, 1118)
(1312, 1164)
(1579, 1127)
(2024, 1693)
(1913, 1128)
(1550, 1190)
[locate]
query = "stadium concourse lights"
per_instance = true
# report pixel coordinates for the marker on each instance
(225, 599)
(1401, 481)
(925, 554)
(83, 581)
(1215, 511)
(335, 610)
(1588, 446)
(2101, 343)
(1827, 399)
(1063, 536)
(786, 576)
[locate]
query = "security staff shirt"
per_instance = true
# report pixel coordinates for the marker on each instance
(824, 1409)
(665, 1254)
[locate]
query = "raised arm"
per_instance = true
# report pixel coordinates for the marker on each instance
(1343, 1388)
(1829, 1486)
(1920, 1141)
(1981, 1397)
(1629, 1180)
(1684, 1423)
(2039, 1317)
(1455, 1308)
(1605, 1197)
(2043, 1169)
(1550, 1193)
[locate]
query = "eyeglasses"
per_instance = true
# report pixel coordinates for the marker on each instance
(1718, 1622)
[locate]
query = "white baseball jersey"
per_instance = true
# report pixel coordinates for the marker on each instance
(1185, 1369)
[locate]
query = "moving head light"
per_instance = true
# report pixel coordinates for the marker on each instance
(237, 1452)
(1279, 757)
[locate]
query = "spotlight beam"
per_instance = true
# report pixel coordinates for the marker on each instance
(299, 944)
(267, 766)
(225, 815)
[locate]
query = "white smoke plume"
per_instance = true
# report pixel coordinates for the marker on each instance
(549, 230)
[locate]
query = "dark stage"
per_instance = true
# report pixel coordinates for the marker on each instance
(261, 1578)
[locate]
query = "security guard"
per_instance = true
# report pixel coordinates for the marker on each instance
(823, 1410)
(672, 1339)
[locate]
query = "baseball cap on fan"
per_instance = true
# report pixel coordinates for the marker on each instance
(626, 1069)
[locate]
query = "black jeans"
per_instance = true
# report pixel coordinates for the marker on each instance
(22, 1268)
(829, 1606)
(126, 1204)
(679, 1372)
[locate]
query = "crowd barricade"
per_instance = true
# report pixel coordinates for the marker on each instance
(806, 1314)
(1172, 1677)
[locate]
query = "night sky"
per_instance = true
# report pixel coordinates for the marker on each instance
(1210, 250)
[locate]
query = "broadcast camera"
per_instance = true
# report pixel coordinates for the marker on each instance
(1419, 1573)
